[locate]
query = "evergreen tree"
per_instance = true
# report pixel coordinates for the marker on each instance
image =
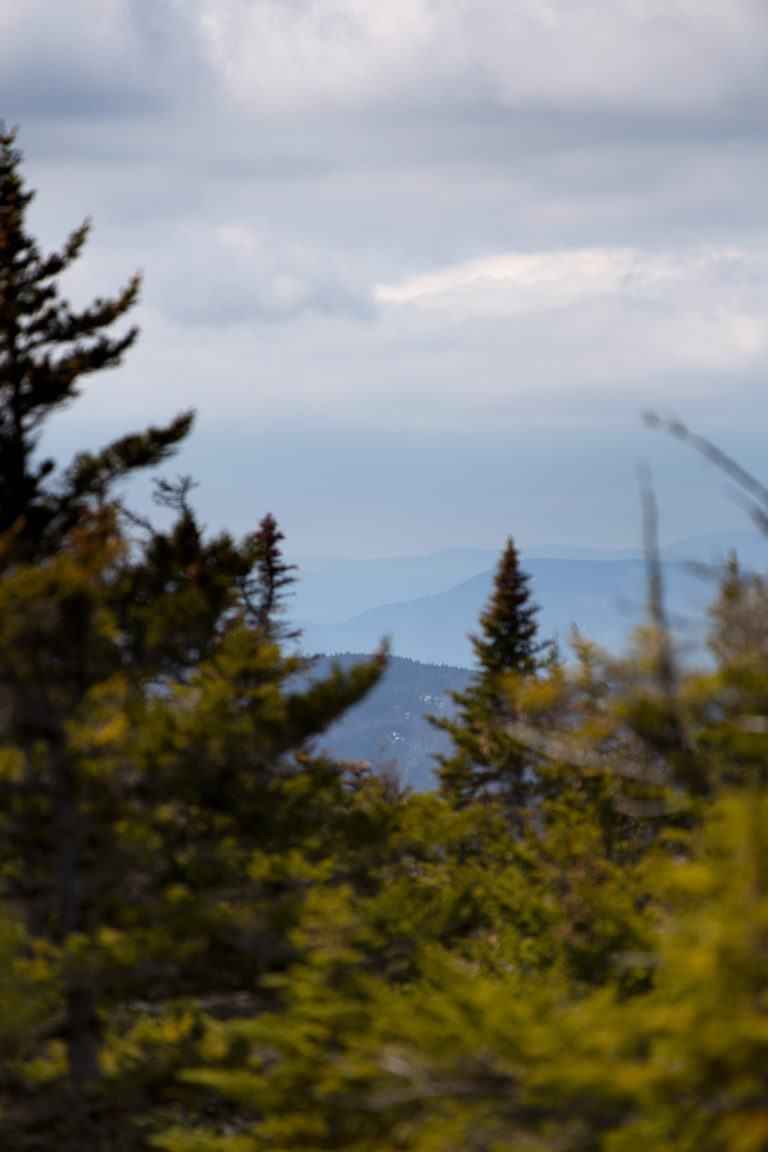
(507, 642)
(579, 986)
(507, 651)
(150, 726)
(274, 576)
(46, 348)
(212, 940)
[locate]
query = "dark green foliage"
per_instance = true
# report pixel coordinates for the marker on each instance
(507, 642)
(596, 982)
(213, 939)
(152, 734)
(274, 576)
(485, 757)
(45, 349)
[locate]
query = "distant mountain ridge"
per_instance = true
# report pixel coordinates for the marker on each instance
(426, 612)
(604, 599)
(329, 590)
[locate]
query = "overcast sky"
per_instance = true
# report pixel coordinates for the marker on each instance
(420, 265)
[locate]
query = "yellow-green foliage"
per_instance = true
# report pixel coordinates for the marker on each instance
(26, 994)
(596, 979)
(213, 939)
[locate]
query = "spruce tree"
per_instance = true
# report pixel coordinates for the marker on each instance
(274, 576)
(46, 348)
(508, 623)
(149, 731)
(485, 757)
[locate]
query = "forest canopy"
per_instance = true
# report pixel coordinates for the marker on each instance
(213, 938)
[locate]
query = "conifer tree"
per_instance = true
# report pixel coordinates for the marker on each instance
(609, 992)
(507, 651)
(508, 622)
(148, 720)
(274, 576)
(46, 348)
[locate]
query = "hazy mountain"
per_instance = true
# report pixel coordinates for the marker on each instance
(715, 547)
(332, 589)
(710, 548)
(329, 589)
(603, 598)
(603, 593)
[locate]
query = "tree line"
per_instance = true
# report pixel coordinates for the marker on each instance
(214, 938)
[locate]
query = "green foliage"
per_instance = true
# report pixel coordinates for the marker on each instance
(486, 758)
(154, 743)
(213, 939)
(25, 995)
(45, 349)
(594, 978)
(508, 622)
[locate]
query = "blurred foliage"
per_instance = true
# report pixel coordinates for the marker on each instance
(214, 939)
(156, 776)
(593, 977)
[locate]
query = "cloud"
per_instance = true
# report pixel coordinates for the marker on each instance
(278, 59)
(641, 311)
(234, 275)
(655, 54)
(437, 223)
(94, 58)
(517, 281)
(575, 338)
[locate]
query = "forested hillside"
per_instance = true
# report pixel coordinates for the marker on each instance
(215, 938)
(390, 725)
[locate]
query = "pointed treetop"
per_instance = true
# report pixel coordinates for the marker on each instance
(508, 642)
(46, 347)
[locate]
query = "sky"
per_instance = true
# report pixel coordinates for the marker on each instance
(420, 266)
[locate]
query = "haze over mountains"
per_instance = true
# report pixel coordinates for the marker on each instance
(426, 605)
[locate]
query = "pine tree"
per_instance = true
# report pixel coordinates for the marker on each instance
(577, 986)
(597, 981)
(507, 651)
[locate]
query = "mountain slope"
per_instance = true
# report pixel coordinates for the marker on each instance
(332, 589)
(603, 598)
(389, 724)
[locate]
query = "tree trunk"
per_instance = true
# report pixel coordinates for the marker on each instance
(81, 1026)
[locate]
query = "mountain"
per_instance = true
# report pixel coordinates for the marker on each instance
(389, 725)
(330, 590)
(602, 593)
(715, 547)
(605, 599)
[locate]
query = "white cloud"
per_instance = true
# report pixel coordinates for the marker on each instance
(519, 281)
(572, 338)
(646, 53)
(281, 54)
(690, 308)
